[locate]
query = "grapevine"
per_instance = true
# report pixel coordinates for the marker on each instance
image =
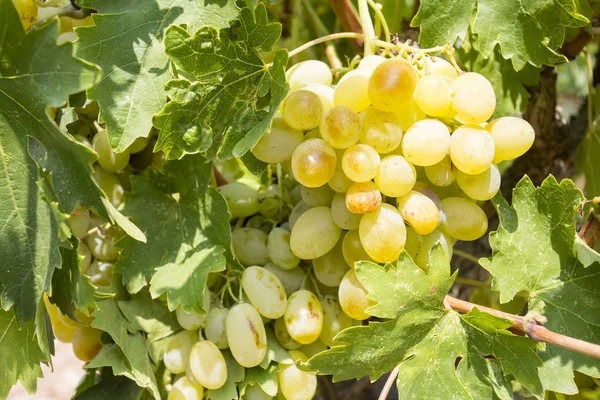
(202, 214)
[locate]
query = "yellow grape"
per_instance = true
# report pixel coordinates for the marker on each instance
(314, 233)
(279, 249)
(382, 233)
(352, 249)
(396, 176)
(304, 317)
(427, 142)
(215, 327)
(353, 297)
(474, 99)
(482, 186)
(409, 113)
(441, 174)
(313, 162)
(427, 243)
(300, 208)
(512, 137)
(27, 10)
(334, 319)
(392, 82)
(310, 71)
(380, 130)
(434, 95)
(107, 158)
(325, 94)
(471, 149)
(302, 110)
(342, 216)
(463, 219)
(313, 348)
(353, 90)
(331, 268)
(178, 351)
(283, 336)
(439, 66)
(419, 211)
(265, 291)
(184, 389)
(206, 365)
(319, 196)
(278, 144)
(360, 163)
(340, 127)
(100, 273)
(371, 62)
(363, 198)
(246, 335)
(294, 383)
(86, 343)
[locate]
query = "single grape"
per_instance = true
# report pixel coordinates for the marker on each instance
(409, 113)
(310, 71)
(439, 66)
(190, 320)
(184, 389)
(427, 142)
(294, 383)
(427, 243)
(512, 137)
(138, 145)
(342, 216)
(278, 144)
(178, 351)
(353, 90)
(61, 332)
(304, 317)
(296, 194)
(302, 110)
(250, 246)
(441, 174)
(319, 196)
(334, 319)
(353, 297)
(298, 210)
(290, 279)
(27, 10)
(414, 242)
(463, 219)
(313, 348)
(371, 62)
(108, 159)
(380, 130)
(361, 163)
(392, 82)
(324, 92)
(339, 182)
(331, 268)
(313, 162)
(279, 249)
(363, 198)
(474, 99)
(206, 365)
(382, 233)
(255, 392)
(396, 176)
(242, 200)
(313, 134)
(100, 273)
(79, 221)
(419, 211)
(265, 292)
(352, 249)
(101, 243)
(215, 327)
(246, 335)
(85, 256)
(482, 186)
(110, 185)
(471, 149)
(340, 127)
(86, 343)
(314, 234)
(283, 336)
(434, 95)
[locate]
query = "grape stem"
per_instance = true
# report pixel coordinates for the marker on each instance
(381, 18)
(466, 256)
(388, 383)
(367, 27)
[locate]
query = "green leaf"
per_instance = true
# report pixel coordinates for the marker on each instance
(187, 225)
(221, 114)
(138, 365)
(396, 12)
(265, 378)
(112, 387)
(588, 161)
(149, 316)
(127, 42)
(443, 21)
(275, 351)
(438, 351)
(537, 236)
(125, 224)
(235, 374)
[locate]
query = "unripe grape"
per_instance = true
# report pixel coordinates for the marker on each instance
(85, 256)
(427, 243)
(340, 127)
(255, 392)
(512, 137)
(178, 351)
(265, 292)
(380, 130)
(342, 216)
(331, 268)
(279, 249)
(319, 196)
(283, 336)
(463, 219)
(441, 174)
(482, 186)
(215, 328)
(241, 200)
(86, 343)
(313, 134)
(108, 159)
(138, 145)
(184, 389)
(246, 335)
(339, 182)
(191, 320)
(382, 233)
(353, 90)
(474, 100)
(434, 95)
(250, 246)
(278, 144)
(396, 176)
(291, 279)
(110, 185)
(363, 198)
(392, 82)
(299, 209)
(439, 66)
(353, 250)
(313, 162)
(101, 243)
(309, 71)
(353, 297)
(206, 365)
(304, 317)
(471, 149)
(371, 62)
(360, 163)
(334, 319)
(302, 110)
(100, 273)
(313, 348)
(419, 211)
(314, 233)
(427, 142)
(62, 332)
(295, 384)
(79, 221)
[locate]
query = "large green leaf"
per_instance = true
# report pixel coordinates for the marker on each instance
(443, 21)
(127, 42)
(536, 250)
(222, 114)
(187, 225)
(441, 354)
(35, 73)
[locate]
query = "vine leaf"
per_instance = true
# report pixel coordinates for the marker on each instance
(537, 237)
(265, 378)
(127, 42)
(438, 351)
(35, 74)
(443, 21)
(186, 222)
(222, 113)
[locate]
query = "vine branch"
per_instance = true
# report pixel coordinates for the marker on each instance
(388, 384)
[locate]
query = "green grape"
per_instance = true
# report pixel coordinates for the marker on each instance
(100, 273)
(310, 71)
(79, 221)
(382, 233)
(463, 219)
(396, 176)
(339, 182)
(184, 389)
(360, 163)
(419, 211)
(303, 317)
(409, 113)
(427, 142)
(334, 319)
(363, 198)
(265, 291)
(294, 383)
(108, 159)
(110, 185)
(392, 82)
(246, 335)
(439, 66)
(296, 194)
(278, 144)
(474, 99)
(482, 186)
(313, 348)
(313, 162)
(270, 204)
(324, 92)
(250, 246)
(138, 145)
(353, 90)
(512, 137)
(86, 343)
(190, 320)
(255, 392)
(299, 209)
(206, 365)
(283, 336)
(319, 196)
(215, 327)
(177, 354)
(331, 268)
(434, 95)
(342, 216)
(413, 244)
(302, 110)
(85, 256)
(371, 62)
(353, 297)
(279, 250)
(441, 174)
(290, 279)
(421, 258)
(471, 149)
(352, 249)
(340, 127)
(101, 243)
(380, 130)
(313, 134)
(314, 233)
(242, 200)
(27, 10)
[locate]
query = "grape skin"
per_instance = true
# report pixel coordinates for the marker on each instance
(474, 100)
(319, 196)
(382, 233)
(331, 268)
(482, 186)
(242, 200)
(439, 66)
(250, 246)
(279, 249)
(441, 174)
(342, 216)
(246, 335)
(178, 350)
(206, 365)
(313, 162)
(184, 389)
(304, 317)
(433, 94)
(302, 110)
(265, 292)
(352, 90)
(380, 130)
(283, 336)
(340, 127)
(396, 176)
(86, 343)
(392, 82)
(295, 384)
(512, 137)
(334, 319)
(215, 327)
(471, 149)
(278, 144)
(191, 320)
(290, 279)
(309, 71)
(363, 198)
(419, 211)
(314, 234)
(108, 159)
(353, 250)
(463, 219)
(426, 143)
(353, 297)
(360, 163)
